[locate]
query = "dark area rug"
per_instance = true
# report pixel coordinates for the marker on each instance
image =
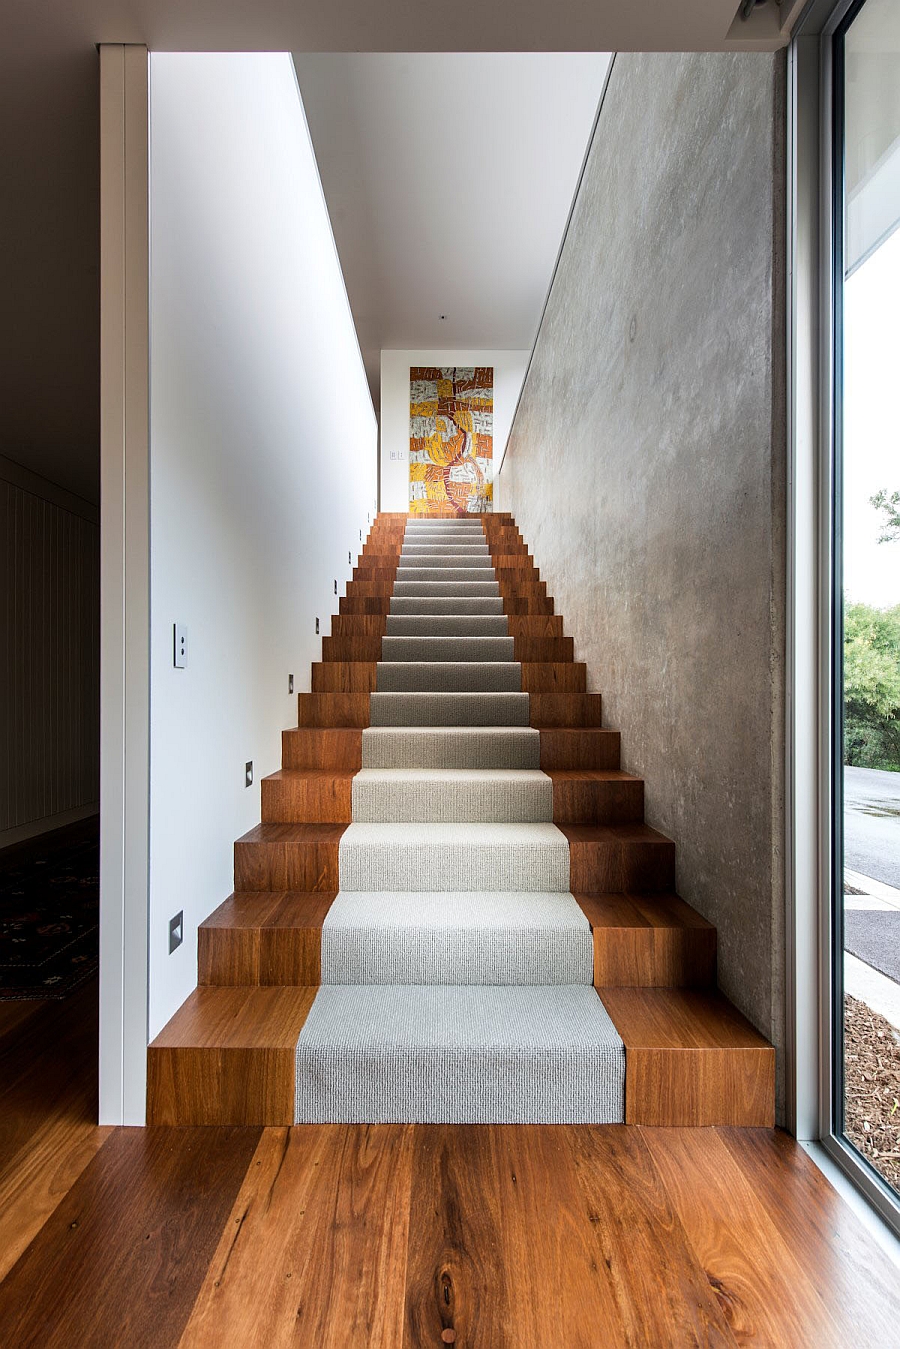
(49, 908)
(874, 936)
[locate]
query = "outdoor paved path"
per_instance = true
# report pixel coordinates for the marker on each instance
(872, 823)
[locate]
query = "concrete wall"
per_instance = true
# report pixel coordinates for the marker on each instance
(263, 462)
(646, 470)
(509, 371)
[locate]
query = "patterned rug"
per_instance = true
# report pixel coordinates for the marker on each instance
(49, 908)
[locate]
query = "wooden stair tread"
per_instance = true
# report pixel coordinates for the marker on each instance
(293, 833)
(311, 774)
(247, 1017)
(252, 910)
(633, 832)
(680, 1018)
(635, 910)
(590, 775)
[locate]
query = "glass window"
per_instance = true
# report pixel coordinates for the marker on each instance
(867, 585)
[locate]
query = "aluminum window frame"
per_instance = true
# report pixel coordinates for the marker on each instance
(814, 1056)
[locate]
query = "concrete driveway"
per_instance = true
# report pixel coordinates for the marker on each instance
(872, 823)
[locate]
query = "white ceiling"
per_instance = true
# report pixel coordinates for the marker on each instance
(449, 179)
(49, 149)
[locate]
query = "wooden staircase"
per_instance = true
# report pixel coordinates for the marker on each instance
(227, 1056)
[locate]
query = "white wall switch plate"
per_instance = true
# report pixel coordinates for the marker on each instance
(180, 636)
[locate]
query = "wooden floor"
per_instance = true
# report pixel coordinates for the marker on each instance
(401, 1235)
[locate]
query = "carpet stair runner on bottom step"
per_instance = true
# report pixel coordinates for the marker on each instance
(456, 966)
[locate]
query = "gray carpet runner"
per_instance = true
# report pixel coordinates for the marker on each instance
(456, 964)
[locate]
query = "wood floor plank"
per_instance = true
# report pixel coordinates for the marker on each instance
(315, 1250)
(39, 1177)
(662, 1296)
(122, 1258)
(48, 1071)
(499, 1251)
(766, 1290)
(856, 1279)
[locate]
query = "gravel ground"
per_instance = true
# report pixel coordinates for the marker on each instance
(872, 1068)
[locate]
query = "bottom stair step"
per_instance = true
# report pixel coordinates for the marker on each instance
(465, 1055)
(228, 1057)
(692, 1059)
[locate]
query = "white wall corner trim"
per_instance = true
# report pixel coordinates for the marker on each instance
(124, 582)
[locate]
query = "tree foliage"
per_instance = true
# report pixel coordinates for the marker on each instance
(872, 686)
(889, 505)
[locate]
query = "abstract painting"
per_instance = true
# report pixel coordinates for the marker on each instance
(451, 439)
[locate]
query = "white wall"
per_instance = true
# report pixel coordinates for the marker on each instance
(263, 462)
(509, 371)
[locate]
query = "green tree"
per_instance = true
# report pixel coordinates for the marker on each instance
(872, 686)
(889, 505)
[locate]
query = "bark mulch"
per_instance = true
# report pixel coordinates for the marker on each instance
(872, 1087)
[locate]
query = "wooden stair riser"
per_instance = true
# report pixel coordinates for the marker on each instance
(317, 797)
(600, 865)
(333, 710)
(288, 865)
(580, 747)
(332, 747)
(541, 678)
(571, 709)
(651, 941)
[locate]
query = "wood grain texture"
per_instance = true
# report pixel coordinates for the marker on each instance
(333, 710)
(500, 1252)
(364, 604)
(227, 1056)
(579, 747)
(767, 1293)
(306, 796)
(566, 709)
(122, 1258)
(48, 1112)
(596, 796)
(322, 747)
(691, 1059)
(649, 941)
(552, 678)
(257, 937)
(856, 1278)
(288, 857)
(350, 676)
(531, 603)
(661, 1294)
(315, 1251)
(622, 857)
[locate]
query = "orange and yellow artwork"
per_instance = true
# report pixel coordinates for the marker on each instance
(451, 439)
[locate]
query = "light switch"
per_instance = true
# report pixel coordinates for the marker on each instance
(180, 639)
(248, 774)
